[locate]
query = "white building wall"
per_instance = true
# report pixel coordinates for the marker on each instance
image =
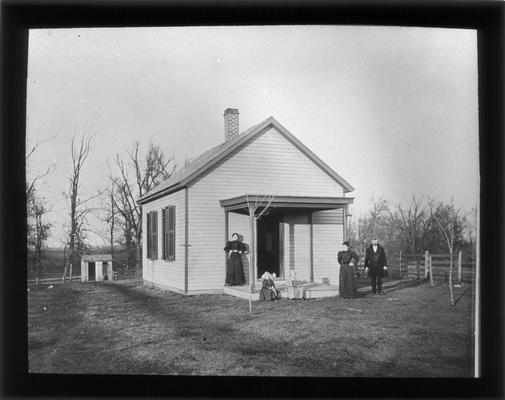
(268, 165)
(297, 247)
(84, 271)
(328, 235)
(99, 271)
(159, 272)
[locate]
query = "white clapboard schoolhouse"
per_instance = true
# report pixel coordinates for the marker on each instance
(188, 219)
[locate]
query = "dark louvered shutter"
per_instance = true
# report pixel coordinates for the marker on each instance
(163, 235)
(155, 235)
(171, 233)
(148, 234)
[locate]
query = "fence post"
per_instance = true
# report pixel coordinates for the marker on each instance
(400, 265)
(431, 269)
(459, 265)
(426, 263)
(417, 265)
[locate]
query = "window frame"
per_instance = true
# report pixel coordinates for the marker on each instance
(168, 233)
(152, 234)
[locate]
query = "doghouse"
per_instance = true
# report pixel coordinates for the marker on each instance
(96, 267)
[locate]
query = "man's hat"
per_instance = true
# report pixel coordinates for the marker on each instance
(346, 243)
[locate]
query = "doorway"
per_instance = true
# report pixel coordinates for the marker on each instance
(91, 271)
(105, 272)
(268, 245)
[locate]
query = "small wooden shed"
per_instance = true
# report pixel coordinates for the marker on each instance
(96, 267)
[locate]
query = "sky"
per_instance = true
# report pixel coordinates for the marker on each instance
(392, 110)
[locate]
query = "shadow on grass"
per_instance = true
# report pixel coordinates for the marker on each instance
(403, 285)
(456, 300)
(130, 329)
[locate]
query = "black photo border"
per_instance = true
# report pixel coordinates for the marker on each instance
(18, 16)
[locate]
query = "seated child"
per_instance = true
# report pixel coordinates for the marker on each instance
(268, 290)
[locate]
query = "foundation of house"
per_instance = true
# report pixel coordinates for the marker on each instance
(305, 291)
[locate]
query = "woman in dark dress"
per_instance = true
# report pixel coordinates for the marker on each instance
(347, 258)
(235, 270)
(268, 290)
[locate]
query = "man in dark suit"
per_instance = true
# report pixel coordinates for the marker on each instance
(376, 265)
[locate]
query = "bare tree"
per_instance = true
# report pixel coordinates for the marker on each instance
(38, 231)
(149, 171)
(31, 183)
(258, 207)
(110, 216)
(450, 222)
(112, 220)
(414, 222)
(374, 223)
(472, 224)
(81, 147)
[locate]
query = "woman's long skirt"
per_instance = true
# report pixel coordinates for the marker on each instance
(347, 287)
(235, 271)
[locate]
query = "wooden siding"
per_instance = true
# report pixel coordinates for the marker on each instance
(328, 237)
(270, 165)
(328, 217)
(163, 272)
(297, 246)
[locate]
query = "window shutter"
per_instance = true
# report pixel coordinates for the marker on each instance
(148, 234)
(171, 232)
(163, 233)
(155, 235)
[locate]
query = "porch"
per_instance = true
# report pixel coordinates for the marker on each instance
(309, 290)
(293, 237)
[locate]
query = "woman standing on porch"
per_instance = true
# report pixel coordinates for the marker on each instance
(235, 270)
(346, 259)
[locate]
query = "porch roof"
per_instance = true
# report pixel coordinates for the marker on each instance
(96, 257)
(241, 203)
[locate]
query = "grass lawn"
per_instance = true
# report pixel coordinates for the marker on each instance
(124, 327)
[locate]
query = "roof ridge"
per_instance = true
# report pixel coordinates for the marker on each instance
(200, 160)
(194, 168)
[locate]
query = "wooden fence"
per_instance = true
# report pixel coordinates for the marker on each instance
(57, 278)
(44, 281)
(417, 266)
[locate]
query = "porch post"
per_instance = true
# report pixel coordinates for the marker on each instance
(311, 248)
(255, 244)
(344, 211)
(252, 223)
(225, 239)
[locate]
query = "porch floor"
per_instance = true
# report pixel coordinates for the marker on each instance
(309, 290)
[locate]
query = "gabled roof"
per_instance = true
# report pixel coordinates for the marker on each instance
(203, 163)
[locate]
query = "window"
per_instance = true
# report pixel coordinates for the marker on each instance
(168, 234)
(152, 235)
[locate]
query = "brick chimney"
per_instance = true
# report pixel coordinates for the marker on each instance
(231, 127)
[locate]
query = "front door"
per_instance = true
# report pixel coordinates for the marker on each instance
(268, 245)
